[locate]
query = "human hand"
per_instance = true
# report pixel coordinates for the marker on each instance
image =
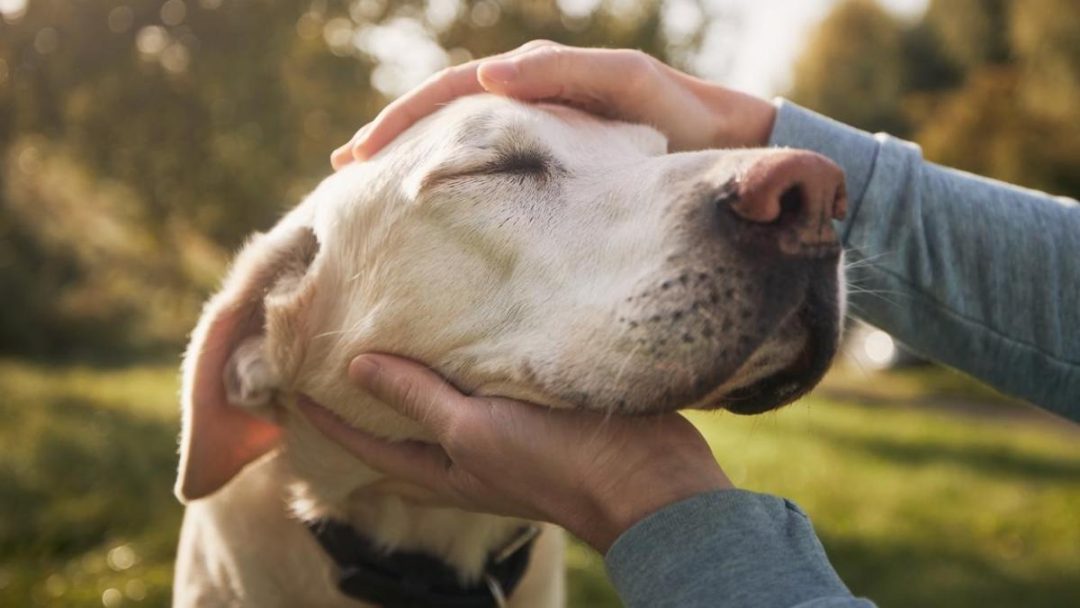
(623, 84)
(593, 474)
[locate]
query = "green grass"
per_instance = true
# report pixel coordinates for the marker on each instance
(924, 490)
(86, 465)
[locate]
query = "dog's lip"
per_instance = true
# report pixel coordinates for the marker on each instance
(795, 380)
(776, 390)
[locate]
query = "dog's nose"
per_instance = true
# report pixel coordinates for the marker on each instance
(792, 196)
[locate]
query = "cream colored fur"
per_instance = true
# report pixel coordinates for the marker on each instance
(522, 251)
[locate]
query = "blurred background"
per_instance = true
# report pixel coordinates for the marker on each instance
(141, 140)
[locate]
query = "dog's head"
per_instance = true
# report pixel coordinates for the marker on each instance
(532, 252)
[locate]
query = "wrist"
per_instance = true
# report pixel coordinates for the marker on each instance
(740, 119)
(618, 507)
(761, 118)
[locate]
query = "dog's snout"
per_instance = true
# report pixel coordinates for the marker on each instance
(790, 197)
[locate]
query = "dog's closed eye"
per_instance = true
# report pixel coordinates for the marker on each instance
(519, 163)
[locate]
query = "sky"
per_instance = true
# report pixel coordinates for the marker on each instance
(771, 35)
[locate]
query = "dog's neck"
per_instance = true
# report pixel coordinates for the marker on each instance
(387, 512)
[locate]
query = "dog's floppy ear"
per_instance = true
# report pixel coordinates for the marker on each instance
(227, 373)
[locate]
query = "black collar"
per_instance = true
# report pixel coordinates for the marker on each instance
(411, 579)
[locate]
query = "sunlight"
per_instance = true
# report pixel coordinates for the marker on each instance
(879, 349)
(405, 52)
(769, 37)
(12, 9)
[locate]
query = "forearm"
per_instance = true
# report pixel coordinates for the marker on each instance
(977, 274)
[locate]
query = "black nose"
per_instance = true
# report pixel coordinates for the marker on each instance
(789, 198)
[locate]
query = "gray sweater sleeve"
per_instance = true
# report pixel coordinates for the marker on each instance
(726, 548)
(974, 273)
(977, 274)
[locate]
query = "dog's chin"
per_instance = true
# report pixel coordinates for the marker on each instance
(820, 321)
(783, 387)
(768, 380)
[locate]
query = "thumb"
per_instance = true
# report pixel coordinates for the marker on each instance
(410, 388)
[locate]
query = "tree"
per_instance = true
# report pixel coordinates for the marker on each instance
(185, 125)
(853, 67)
(991, 86)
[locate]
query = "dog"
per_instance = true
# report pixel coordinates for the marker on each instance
(529, 251)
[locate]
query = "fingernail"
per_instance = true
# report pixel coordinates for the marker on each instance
(363, 368)
(498, 71)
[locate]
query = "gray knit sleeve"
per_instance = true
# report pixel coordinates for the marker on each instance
(726, 548)
(977, 274)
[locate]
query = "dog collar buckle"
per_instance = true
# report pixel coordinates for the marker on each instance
(524, 536)
(518, 542)
(496, 591)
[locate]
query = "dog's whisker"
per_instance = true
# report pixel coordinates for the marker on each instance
(882, 296)
(862, 261)
(622, 365)
(877, 292)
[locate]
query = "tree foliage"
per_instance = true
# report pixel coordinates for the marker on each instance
(141, 140)
(859, 49)
(990, 86)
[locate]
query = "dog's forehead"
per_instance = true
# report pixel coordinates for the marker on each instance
(464, 130)
(483, 120)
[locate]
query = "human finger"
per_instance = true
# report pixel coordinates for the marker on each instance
(442, 87)
(417, 462)
(579, 75)
(343, 155)
(406, 110)
(412, 389)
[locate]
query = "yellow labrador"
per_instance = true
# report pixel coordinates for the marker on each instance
(526, 251)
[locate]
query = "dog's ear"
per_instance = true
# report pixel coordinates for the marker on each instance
(228, 375)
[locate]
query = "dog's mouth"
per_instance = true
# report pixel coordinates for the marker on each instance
(819, 316)
(768, 341)
(790, 361)
(785, 386)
